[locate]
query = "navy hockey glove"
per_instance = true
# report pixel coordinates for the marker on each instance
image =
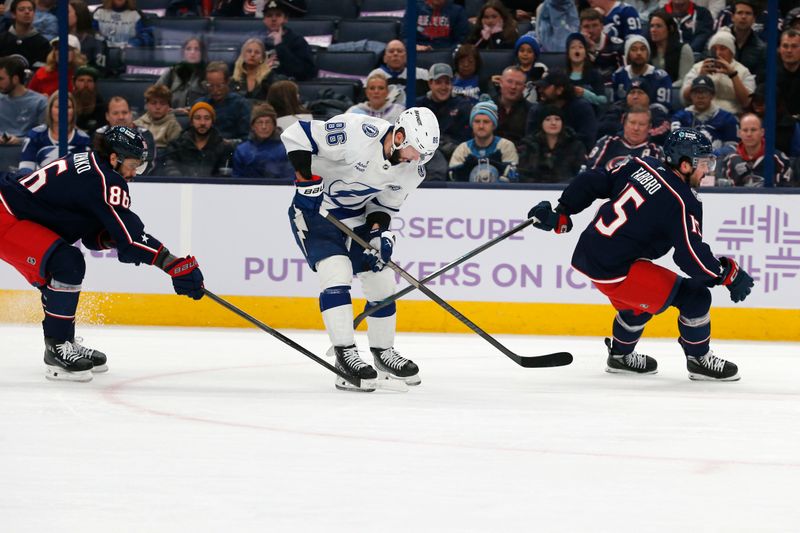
(382, 242)
(547, 219)
(308, 195)
(186, 277)
(735, 279)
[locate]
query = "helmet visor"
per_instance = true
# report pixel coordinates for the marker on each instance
(710, 162)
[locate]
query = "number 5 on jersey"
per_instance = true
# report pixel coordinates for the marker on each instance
(629, 195)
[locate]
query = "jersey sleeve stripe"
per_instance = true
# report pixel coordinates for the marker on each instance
(306, 127)
(5, 204)
(683, 212)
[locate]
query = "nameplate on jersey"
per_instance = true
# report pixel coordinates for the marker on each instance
(647, 180)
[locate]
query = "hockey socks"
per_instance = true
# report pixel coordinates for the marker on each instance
(693, 299)
(65, 269)
(627, 331)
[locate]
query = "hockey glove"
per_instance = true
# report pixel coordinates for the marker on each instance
(186, 277)
(308, 194)
(547, 219)
(382, 243)
(735, 279)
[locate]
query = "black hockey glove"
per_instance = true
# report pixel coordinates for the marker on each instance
(382, 243)
(186, 277)
(735, 279)
(547, 219)
(308, 195)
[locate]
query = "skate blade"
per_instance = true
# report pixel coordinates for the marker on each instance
(394, 385)
(59, 374)
(367, 385)
(629, 372)
(411, 381)
(701, 377)
(99, 369)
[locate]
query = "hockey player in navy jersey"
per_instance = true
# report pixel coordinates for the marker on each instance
(360, 169)
(83, 196)
(652, 207)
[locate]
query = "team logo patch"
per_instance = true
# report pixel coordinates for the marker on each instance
(421, 171)
(370, 130)
(32, 260)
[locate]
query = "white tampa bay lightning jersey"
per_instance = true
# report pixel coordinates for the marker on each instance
(347, 152)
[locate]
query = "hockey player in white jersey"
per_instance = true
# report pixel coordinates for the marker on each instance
(360, 169)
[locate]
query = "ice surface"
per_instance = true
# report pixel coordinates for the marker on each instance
(230, 430)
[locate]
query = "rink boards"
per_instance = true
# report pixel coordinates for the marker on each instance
(242, 239)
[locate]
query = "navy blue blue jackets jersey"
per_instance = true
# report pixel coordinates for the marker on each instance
(79, 197)
(650, 210)
(613, 151)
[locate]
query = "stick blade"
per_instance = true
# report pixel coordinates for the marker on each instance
(545, 361)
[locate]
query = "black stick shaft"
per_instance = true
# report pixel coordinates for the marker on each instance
(281, 337)
(466, 257)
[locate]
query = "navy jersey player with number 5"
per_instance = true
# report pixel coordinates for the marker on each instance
(83, 197)
(651, 208)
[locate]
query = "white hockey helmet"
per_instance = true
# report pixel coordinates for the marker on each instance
(421, 129)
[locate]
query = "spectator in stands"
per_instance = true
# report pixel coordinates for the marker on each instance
(253, 71)
(440, 24)
(715, 7)
(612, 151)
(550, 152)
(485, 158)
(646, 7)
(41, 146)
(745, 166)
(792, 20)
(232, 109)
(750, 50)
(718, 125)
(90, 109)
(725, 20)
(789, 71)
(45, 80)
(241, 8)
(118, 113)
(295, 59)
(785, 123)
(620, 19)
(667, 52)
(158, 119)
(605, 50)
(284, 97)
(496, 28)
(200, 151)
(555, 19)
(466, 63)
(637, 57)
(93, 46)
(185, 80)
(122, 24)
(20, 108)
(527, 50)
(694, 22)
(610, 122)
(263, 155)
(44, 20)
(733, 82)
(378, 103)
(557, 89)
(512, 106)
(22, 38)
(394, 65)
(585, 78)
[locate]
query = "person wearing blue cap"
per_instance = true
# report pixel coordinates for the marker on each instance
(485, 158)
(527, 50)
(704, 115)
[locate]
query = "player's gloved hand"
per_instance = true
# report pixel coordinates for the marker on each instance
(308, 193)
(186, 277)
(547, 219)
(735, 279)
(382, 242)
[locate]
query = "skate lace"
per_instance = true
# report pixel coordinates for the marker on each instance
(353, 360)
(712, 362)
(393, 359)
(83, 351)
(636, 360)
(68, 352)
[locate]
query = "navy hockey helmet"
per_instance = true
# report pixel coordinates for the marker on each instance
(690, 145)
(126, 142)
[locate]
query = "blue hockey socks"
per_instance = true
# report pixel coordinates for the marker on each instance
(627, 331)
(65, 269)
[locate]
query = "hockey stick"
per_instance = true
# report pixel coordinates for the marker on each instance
(469, 255)
(283, 338)
(547, 360)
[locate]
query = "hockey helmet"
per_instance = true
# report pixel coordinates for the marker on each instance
(126, 142)
(421, 130)
(690, 145)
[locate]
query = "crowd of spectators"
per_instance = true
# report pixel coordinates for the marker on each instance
(625, 75)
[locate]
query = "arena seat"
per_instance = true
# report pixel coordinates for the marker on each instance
(426, 59)
(346, 9)
(226, 55)
(317, 31)
(374, 30)
(131, 90)
(232, 32)
(383, 8)
(553, 60)
(354, 65)
(9, 157)
(493, 62)
(311, 90)
(473, 6)
(176, 30)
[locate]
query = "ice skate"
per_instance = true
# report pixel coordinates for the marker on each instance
(711, 368)
(64, 363)
(348, 361)
(97, 358)
(390, 365)
(632, 363)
